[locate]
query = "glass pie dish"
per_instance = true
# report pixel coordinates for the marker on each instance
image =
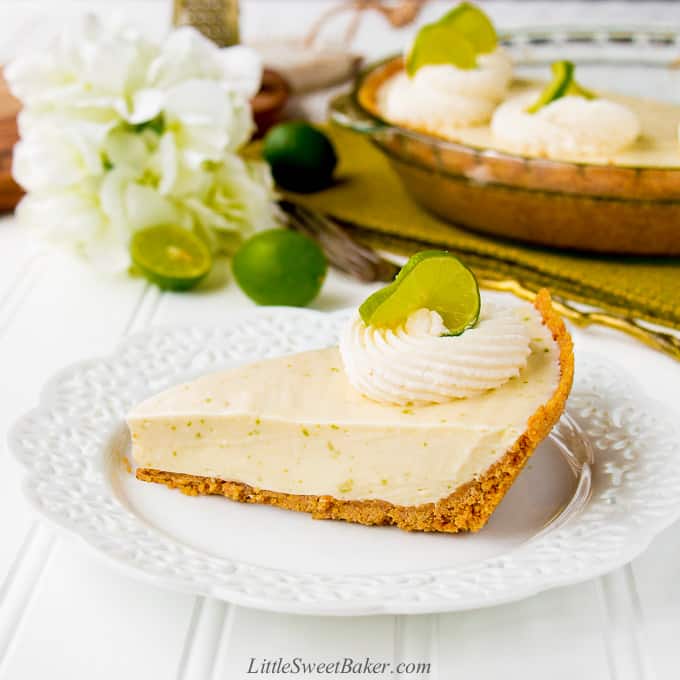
(606, 208)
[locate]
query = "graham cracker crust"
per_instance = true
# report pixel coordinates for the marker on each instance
(468, 508)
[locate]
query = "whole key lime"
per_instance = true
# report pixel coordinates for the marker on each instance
(280, 267)
(301, 157)
(171, 257)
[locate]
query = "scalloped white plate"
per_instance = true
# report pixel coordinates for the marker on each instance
(591, 498)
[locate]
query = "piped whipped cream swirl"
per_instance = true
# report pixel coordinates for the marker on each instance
(415, 364)
(441, 97)
(569, 127)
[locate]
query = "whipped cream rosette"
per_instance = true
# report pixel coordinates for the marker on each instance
(455, 74)
(418, 363)
(564, 121)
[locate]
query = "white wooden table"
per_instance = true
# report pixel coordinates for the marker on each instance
(65, 614)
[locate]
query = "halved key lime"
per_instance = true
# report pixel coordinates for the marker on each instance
(171, 257)
(457, 38)
(432, 279)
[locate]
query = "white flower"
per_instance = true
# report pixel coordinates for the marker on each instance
(118, 134)
(236, 204)
(74, 218)
(59, 153)
(97, 73)
(206, 120)
(188, 55)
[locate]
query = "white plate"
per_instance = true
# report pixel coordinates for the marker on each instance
(553, 527)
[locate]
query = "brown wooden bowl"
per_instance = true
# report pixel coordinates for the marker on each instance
(10, 191)
(268, 104)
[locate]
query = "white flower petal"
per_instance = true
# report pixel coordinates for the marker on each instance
(242, 69)
(126, 150)
(184, 55)
(73, 219)
(208, 121)
(167, 154)
(112, 198)
(145, 207)
(58, 154)
(146, 105)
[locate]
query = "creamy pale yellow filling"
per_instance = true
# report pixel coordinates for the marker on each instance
(295, 425)
(657, 145)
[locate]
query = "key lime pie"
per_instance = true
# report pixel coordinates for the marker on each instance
(456, 82)
(547, 161)
(421, 418)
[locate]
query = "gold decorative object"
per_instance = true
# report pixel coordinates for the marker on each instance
(215, 19)
(659, 340)
(364, 263)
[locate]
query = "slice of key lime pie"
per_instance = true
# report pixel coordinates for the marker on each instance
(421, 418)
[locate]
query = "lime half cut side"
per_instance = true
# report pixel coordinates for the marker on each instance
(171, 257)
(432, 279)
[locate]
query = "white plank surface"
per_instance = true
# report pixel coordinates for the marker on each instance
(63, 613)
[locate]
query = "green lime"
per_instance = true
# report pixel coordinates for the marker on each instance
(577, 90)
(457, 39)
(301, 157)
(171, 257)
(561, 85)
(474, 24)
(433, 279)
(563, 75)
(280, 267)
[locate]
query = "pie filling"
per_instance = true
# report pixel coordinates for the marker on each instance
(295, 425)
(655, 146)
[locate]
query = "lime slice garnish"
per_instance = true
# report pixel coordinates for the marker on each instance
(577, 90)
(171, 257)
(563, 73)
(456, 39)
(562, 85)
(474, 24)
(432, 279)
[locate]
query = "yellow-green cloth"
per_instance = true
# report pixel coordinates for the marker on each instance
(369, 195)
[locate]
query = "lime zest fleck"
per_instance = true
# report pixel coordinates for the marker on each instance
(346, 486)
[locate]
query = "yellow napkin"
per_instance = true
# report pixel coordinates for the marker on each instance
(370, 196)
